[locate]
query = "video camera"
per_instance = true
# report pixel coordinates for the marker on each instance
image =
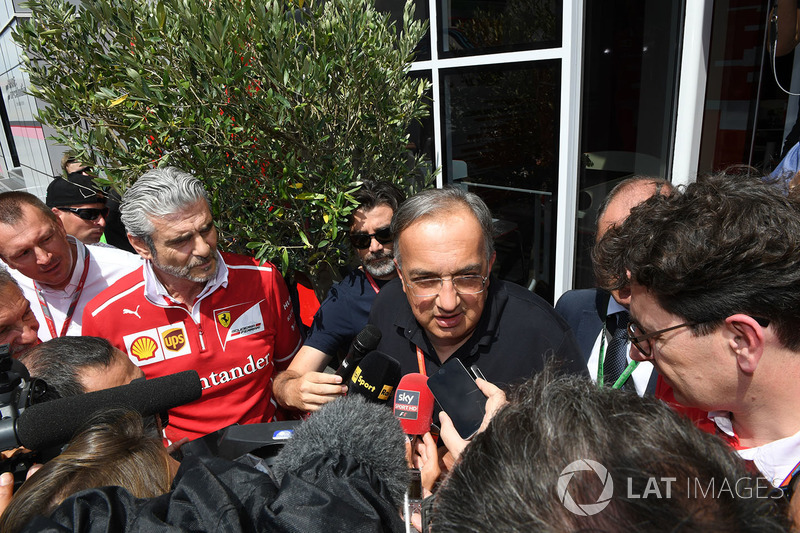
(17, 392)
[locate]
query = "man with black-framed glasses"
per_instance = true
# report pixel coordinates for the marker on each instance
(80, 205)
(715, 305)
(344, 312)
(447, 304)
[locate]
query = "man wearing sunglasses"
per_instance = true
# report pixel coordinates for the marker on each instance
(80, 205)
(57, 273)
(447, 304)
(715, 305)
(346, 309)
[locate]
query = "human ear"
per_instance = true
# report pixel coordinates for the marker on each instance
(746, 339)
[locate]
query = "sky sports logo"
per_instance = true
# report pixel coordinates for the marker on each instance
(654, 487)
(406, 404)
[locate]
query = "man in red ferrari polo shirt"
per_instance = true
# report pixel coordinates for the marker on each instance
(192, 307)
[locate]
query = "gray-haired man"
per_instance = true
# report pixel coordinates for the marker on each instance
(18, 325)
(446, 303)
(192, 307)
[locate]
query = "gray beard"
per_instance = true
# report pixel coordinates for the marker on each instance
(184, 272)
(381, 267)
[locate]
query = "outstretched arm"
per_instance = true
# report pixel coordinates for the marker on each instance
(302, 386)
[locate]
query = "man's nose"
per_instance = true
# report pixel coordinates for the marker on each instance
(448, 297)
(29, 334)
(42, 256)
(202, 248)
(637, 355)
(374, 245)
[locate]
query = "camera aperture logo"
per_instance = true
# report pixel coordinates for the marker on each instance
(585, 509)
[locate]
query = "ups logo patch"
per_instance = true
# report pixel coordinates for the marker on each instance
(174, 339)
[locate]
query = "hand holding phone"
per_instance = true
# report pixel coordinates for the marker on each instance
(459, 396)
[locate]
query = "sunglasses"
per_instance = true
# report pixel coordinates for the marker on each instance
(362, 241)
(87, 213)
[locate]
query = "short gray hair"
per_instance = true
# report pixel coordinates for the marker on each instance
(158, 193)
(6, 278)
(434, 202)
(61, 361)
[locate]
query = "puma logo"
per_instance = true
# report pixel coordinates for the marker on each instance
(129, 312)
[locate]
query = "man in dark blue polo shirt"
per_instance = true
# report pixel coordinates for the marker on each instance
(345, 311)
(446, 303)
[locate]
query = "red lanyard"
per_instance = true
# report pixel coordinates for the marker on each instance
(48, 317)
(421, 361)
(372, 282)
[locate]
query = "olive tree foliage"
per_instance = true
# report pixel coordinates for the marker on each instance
(280, 107)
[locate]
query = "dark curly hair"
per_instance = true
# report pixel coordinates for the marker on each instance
(727, 244)
(374, 193)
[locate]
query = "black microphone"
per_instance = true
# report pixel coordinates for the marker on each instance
(53, 423)
(375, 377)
(366, 341)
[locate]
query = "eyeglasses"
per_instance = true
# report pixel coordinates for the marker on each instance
(646, 348)
(425, 288)
(87, 213)
(362, 241)
(646, 338)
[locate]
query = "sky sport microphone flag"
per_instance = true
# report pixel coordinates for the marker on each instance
(375, 377)
(413, 404)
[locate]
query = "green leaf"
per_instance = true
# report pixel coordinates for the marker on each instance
(161, 13)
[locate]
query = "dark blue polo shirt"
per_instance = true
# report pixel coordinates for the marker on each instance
(343, 314)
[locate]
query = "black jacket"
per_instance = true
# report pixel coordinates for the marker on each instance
(330, 493)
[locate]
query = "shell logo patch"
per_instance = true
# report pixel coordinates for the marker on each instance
(144, 348)
(174, 339)
(157, 344)
(224, 318)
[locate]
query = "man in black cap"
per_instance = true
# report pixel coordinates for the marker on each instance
(80, 205)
